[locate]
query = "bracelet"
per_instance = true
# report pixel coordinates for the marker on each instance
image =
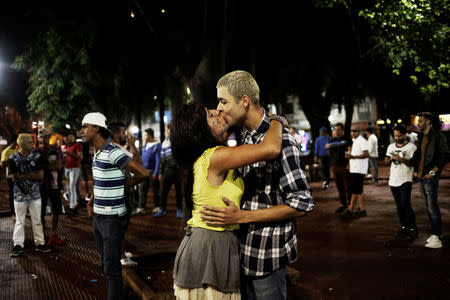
(279, 119)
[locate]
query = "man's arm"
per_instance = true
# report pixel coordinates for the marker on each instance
(36, 175)
(140, 173)
(364, 155)
(294, 186)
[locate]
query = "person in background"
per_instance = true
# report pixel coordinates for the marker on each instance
(150, 160)
(359, 164)
(108, 204)
(322, 156)
(169, 174)
(6, 153)
(399, 155)
(26, 170)
(337, 148)
(373, 153)
(411, 135)
(74, 156)
(86, 169)
(51, 185)
(428, 161)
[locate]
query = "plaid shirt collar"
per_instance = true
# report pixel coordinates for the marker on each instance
(260, 129)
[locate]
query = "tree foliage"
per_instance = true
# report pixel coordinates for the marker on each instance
(411, 36)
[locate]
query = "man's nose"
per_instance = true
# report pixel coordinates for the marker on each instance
(219, 106)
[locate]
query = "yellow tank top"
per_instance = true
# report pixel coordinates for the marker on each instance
(206, 194)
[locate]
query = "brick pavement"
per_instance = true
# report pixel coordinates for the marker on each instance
(357, 259)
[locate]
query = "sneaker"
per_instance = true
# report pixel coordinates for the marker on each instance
(327, 185)
(88, 197)
(179, 214)
(42, 248)
(54, 239)
(16, 251)
(159, 214)
(412, 234)
(156, 209)
(347, 214)
(128, 262)
(63, 210)
(341, 209)
(433, 242)
(128, 254)
(134, 212)
(48, 210)
(140, 211)
(65, 196)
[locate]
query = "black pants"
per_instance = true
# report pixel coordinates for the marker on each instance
(109, 232)
(342, 179)
(402, 197)
(324, 168)
(170, 176)
(11, 195)
(145, 185)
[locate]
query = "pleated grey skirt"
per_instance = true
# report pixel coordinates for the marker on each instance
(208, 258)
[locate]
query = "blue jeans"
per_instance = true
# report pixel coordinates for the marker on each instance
(373, 165)
(72, 176)
(429, 190)
(271, 287)
(109, 232)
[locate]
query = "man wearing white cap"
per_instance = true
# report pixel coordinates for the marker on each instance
(108, 204)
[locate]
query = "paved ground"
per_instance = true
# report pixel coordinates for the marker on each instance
(356, 259)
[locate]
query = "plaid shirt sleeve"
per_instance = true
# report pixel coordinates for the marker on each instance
(293, 180)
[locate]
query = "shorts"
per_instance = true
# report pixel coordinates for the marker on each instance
(55, 200)
(356, 183)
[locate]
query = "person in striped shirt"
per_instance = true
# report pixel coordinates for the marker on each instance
(108, 204)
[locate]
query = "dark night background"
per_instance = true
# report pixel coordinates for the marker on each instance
(292, 48)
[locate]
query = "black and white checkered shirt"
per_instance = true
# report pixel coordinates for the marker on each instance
(265, 247)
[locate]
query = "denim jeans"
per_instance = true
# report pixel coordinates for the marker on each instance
(324, 168)
(145, 185)
(373, 165)
(271, 287)
(429, 190)
(170, 176)
(72, 176)
(109, 232)
(402, 198)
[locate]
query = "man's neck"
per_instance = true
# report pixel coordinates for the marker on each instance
(24, 153)
(254, 117)
(98, 142)
(400, 144)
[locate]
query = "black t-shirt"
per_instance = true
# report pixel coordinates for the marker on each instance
(87, 156)
(337, 151)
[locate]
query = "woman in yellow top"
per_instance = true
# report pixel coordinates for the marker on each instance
(207, 261)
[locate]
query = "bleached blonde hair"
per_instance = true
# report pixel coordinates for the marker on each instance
(23, 137)
(240, 83)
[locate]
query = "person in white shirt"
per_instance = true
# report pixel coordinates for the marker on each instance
(411, 136)
(373, 152)
(359, 163)
(399, 155)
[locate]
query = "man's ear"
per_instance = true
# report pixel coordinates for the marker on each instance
(245, 101)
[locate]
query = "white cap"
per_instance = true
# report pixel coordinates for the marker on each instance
(95, 118)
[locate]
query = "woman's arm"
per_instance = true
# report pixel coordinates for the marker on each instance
(226, 158)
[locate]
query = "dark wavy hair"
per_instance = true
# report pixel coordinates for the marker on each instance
(190, 136)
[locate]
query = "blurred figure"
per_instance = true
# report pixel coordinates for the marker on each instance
(51, 185)
(373, 152)
(297, 136)
(338, 146)
(321, 156)
(26, 170)
(411, 135)
(428, 161)
(359, 164)
(6, 153)
(169, 174)
(150, 160)
(399, 155)
(74, 156)
(86, 169)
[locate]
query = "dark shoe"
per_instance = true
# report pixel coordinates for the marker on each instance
(341, 209)
(72, 212)
(179, 214)
(412, 234)
(347, 214)
(403, 231)
(42, 248)
(360, 213)
(16, 251)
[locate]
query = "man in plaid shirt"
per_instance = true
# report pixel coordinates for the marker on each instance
(276, 192)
